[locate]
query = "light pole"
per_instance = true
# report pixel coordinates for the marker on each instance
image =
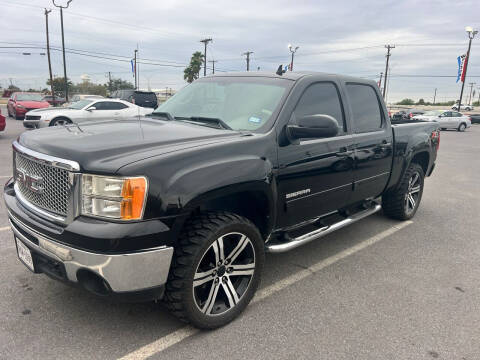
(63, 46)
(471, 34)
(293, 50)
(205, 42)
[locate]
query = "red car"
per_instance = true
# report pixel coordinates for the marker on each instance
(22, 102)
(2, 121)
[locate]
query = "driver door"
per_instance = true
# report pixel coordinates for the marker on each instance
(315, 175)
(102, 110)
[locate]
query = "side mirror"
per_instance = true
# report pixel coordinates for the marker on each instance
(91, 108)
(313, 126)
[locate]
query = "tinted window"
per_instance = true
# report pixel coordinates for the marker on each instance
(321, 98)
(366, 111)
(456, 114)
(109, 105)
(145, 99)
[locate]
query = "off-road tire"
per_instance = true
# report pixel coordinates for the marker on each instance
(394, 201)
(198, 235)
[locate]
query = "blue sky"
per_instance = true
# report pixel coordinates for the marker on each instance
(345, 37)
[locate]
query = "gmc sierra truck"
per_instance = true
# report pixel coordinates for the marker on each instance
(183, 204)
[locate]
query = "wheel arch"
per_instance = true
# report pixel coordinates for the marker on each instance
(254, 201)
(421, 158)
(59, 117)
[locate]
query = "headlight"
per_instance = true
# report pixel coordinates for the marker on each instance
(20, 106)
(113, 197)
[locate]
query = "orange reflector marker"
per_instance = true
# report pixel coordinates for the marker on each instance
(133, 193)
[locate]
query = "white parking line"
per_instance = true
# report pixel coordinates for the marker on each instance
(169, 340)
(5, 228)
(5, 176)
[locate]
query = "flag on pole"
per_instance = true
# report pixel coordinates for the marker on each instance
(461, 67)
(133, 68)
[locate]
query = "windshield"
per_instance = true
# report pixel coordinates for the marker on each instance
(77, 105)
(242, 103)
(434, 113)
(29, 97)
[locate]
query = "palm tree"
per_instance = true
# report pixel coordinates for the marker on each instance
(192, 71)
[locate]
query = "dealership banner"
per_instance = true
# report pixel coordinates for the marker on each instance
(462, 65)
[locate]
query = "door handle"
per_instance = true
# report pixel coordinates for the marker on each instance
(385, 143)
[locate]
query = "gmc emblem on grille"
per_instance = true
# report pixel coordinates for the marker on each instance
(31, 182)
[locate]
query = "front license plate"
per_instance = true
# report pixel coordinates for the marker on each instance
(24, 254)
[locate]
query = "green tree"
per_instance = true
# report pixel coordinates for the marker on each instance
(87, 87)
(59, 85)
(420, 102)
(119, 84)
(406, 102)
(192, 71)
(13, 88)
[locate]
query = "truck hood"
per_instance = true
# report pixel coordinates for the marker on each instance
(106, 146)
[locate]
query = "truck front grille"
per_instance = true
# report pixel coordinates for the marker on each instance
(43, 185)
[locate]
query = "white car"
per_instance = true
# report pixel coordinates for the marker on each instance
(84, 111)
(446, 119)
(462, 107)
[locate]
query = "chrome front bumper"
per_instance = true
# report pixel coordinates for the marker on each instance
(123, 273)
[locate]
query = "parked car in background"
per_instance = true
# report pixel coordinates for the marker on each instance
(84, 110)
(57, 100)
(405, 115)
(462, 107)
(78, 97)
(475, 118)
(141, 98)
(20, 103)
(446, 119)
(3, 122)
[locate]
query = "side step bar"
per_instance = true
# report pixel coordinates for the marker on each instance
(318, 233)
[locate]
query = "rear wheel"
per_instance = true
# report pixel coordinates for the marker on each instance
(462, 127)
(61, 121)
(216, 269)
(402, 203)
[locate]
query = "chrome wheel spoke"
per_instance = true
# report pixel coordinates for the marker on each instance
(415, 189)
(414, 179)
(212, 296)
(218, 250)
(231, 293)
(411, 200)
(242, 243)
(241, 269)
(201, 278)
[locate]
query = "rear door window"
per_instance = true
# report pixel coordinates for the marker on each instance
(366, 108)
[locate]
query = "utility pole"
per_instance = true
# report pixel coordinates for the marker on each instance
(109, 83)
(205, 42)
(48, 52)
(293, 50)
(213, 65)
(63, 46)
(247, 54)
(470, 97)
(388, 47)
(471, 34)
(434, 96)
(135, 67)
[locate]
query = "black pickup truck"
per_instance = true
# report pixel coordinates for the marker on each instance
(183, 204)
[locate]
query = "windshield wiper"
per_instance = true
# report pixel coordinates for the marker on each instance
(220, 124)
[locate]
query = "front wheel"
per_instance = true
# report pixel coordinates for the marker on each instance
(462, 127)
(402, 203)
(216, 269)
(60, 122)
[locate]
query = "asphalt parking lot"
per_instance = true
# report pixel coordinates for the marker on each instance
(379, 289)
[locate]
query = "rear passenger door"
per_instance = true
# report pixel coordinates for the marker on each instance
(372, 139)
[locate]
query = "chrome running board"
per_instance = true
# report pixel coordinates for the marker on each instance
(318, 233)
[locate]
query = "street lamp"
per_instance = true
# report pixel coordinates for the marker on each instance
(471, 34)
(293, 50)
(63, 46)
